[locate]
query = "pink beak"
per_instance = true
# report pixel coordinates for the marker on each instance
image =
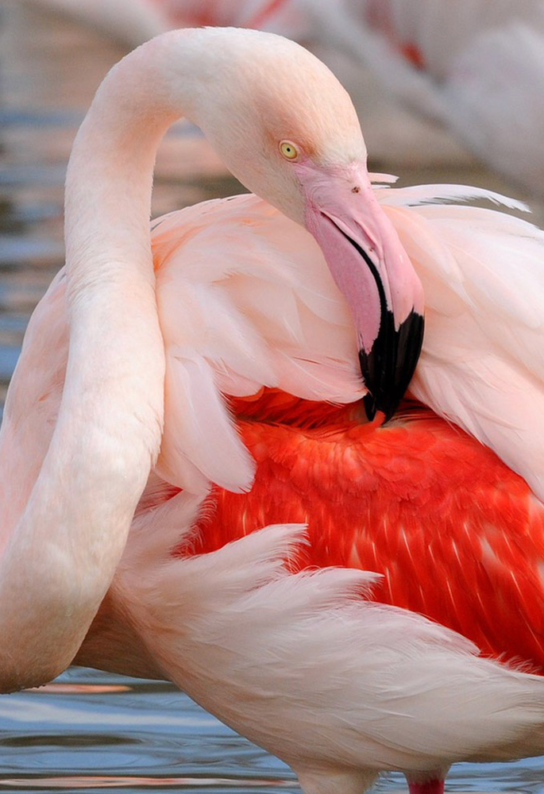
(373, 271)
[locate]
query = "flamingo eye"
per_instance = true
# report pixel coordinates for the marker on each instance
(289, 150)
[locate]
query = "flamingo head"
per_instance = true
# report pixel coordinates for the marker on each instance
(288, 130)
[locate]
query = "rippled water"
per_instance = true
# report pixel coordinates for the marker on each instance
(89, 730)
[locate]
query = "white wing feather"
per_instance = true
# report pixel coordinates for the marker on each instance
(308, 669)
(482, 364)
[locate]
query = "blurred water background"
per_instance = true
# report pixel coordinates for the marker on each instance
(90, 731)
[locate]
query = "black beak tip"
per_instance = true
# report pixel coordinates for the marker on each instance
(389, 366)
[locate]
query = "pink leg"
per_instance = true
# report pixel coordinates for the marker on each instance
(435, 786)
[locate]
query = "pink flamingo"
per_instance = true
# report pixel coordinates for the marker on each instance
(475, 67)
(339, 687)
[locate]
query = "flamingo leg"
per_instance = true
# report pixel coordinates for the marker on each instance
(433, 785)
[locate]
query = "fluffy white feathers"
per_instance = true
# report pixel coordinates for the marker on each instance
(307, 668)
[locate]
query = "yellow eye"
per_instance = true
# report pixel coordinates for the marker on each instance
(288, 150)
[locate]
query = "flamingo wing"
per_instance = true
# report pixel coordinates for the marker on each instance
(482, 365)
(278, 321)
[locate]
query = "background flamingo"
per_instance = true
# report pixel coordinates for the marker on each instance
(193, 366)
(460, 64)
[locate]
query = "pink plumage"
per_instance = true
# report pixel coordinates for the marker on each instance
(305, 663)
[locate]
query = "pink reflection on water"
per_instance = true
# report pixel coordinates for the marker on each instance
(80, 689)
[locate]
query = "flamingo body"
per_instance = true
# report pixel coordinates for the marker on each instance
(456, 534)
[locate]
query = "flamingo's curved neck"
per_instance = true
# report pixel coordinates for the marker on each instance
(60, 558)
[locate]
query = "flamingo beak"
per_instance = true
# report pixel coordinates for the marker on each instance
(373, 272)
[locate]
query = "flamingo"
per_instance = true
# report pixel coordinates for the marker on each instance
(460, 64)
(339, 687)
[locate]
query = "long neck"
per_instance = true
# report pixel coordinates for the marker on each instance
(61, 557)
